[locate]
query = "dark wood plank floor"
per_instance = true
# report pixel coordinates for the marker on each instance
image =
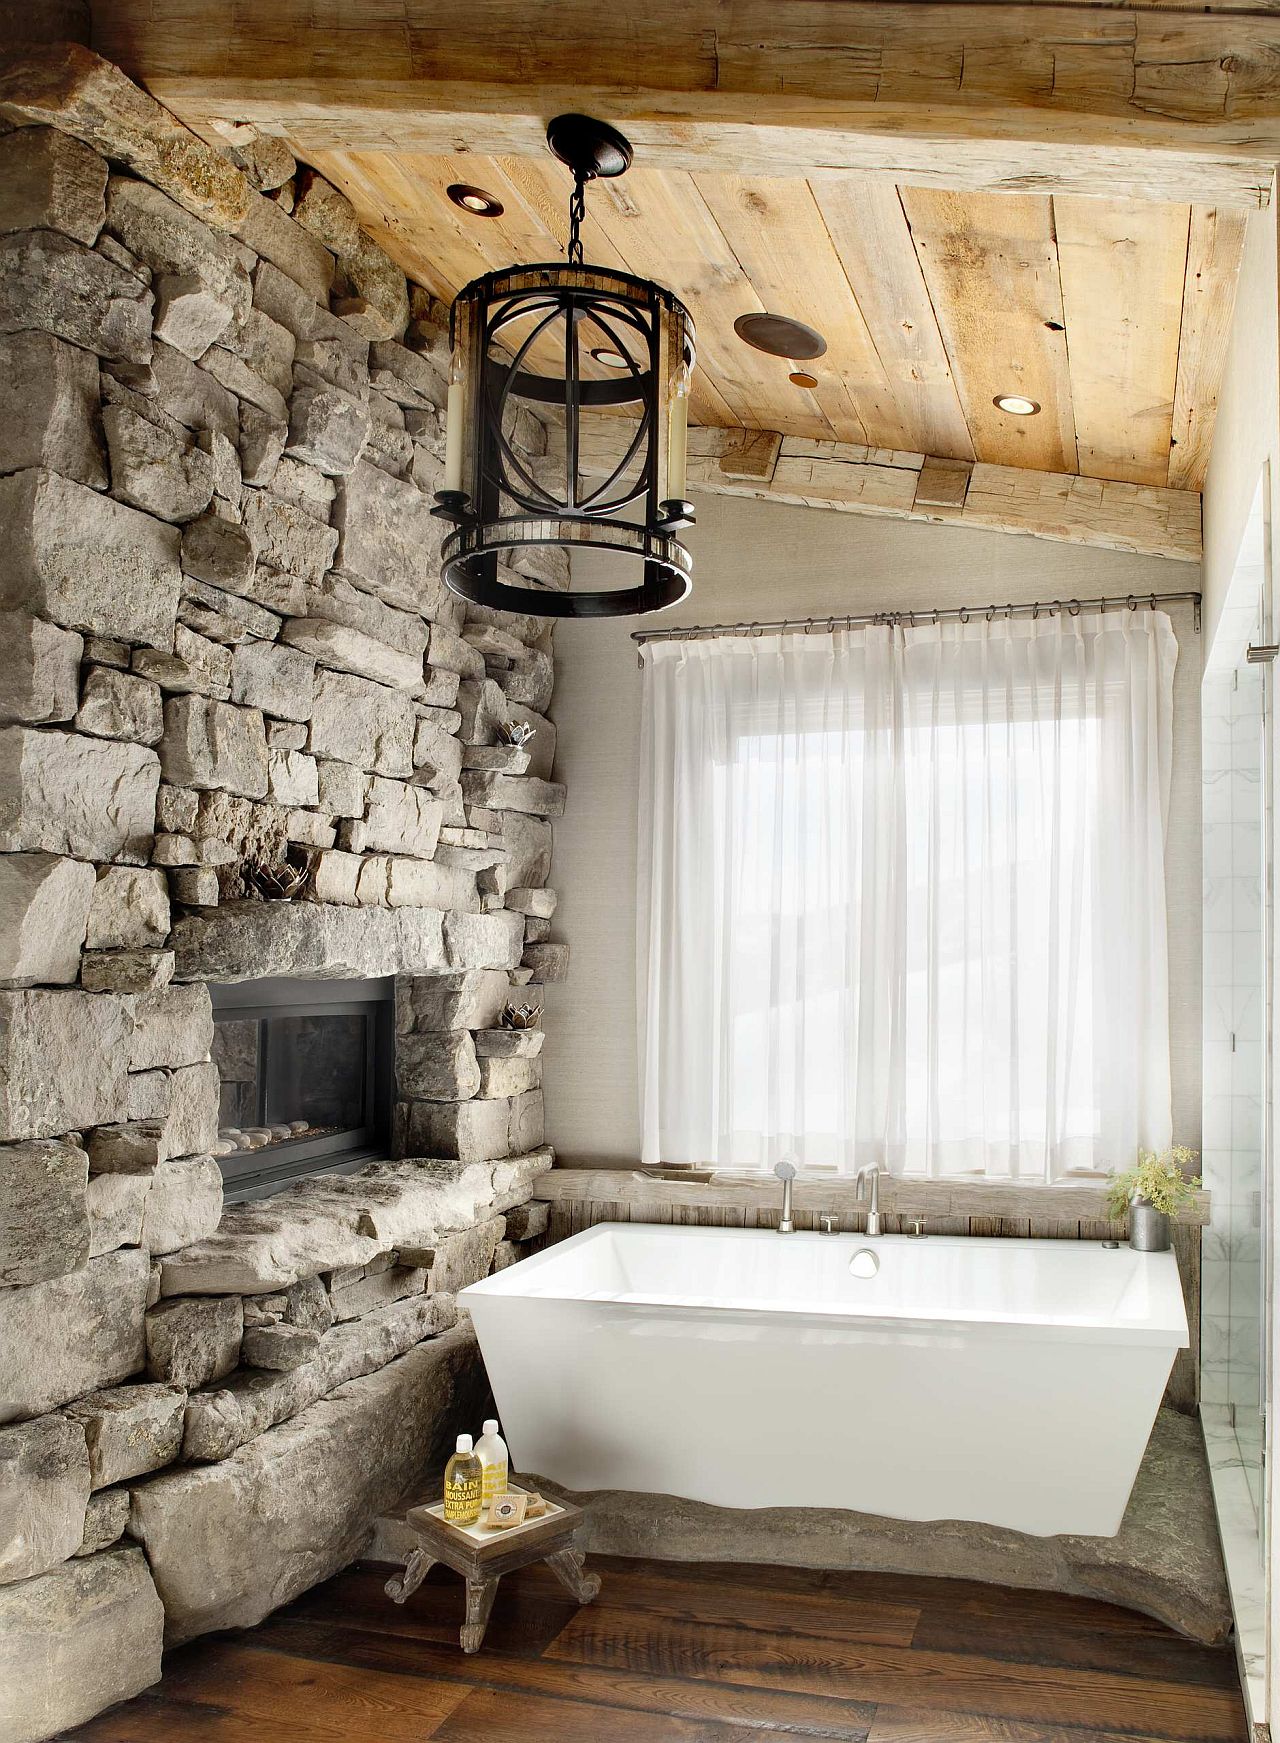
(697, 1654)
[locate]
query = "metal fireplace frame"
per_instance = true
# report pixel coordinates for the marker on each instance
(255, 1173)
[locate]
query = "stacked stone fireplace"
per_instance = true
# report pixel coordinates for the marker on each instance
(246, 740)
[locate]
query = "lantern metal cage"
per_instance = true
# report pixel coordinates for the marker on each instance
(615, 484)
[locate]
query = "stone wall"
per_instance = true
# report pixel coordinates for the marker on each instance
(229, 649)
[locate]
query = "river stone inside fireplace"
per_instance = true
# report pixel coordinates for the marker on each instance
(305, 1077)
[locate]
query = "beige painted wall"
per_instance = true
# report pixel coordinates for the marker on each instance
(757, 560)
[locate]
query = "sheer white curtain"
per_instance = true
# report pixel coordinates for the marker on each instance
(901, 896)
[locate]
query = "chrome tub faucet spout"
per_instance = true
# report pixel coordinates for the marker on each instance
(786, 1174)
(867, 1185)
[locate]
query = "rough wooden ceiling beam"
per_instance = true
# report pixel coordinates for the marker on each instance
(1108, 100)
(1143, 518)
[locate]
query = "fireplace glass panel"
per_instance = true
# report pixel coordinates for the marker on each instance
(315, 1071)
(304, 1069)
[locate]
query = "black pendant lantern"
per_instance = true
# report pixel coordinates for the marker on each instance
(621, 347)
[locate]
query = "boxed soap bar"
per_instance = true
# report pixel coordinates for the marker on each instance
(506, 1511)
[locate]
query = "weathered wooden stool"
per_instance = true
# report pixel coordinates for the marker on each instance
(482, 1557)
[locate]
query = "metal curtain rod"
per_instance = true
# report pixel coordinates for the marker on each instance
(1130, 602)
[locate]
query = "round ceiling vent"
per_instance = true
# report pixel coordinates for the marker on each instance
(780, 336)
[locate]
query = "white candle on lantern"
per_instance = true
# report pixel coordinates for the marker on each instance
(677, 445)
(454, 417)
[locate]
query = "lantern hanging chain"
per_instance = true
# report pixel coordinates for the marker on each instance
(577, 212)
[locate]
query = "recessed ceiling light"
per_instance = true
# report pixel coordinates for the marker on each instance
(474, 200)
(610, 358)
(1017, 403)
(780, 336)
(802, 378)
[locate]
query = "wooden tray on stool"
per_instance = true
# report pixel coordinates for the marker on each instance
(482, 1557)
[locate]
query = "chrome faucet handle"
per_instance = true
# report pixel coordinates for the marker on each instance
(868, 1180)
(828, 1224)
(786, 1174)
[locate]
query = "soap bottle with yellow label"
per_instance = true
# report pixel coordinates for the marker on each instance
(463, 1485)
(491, 1450)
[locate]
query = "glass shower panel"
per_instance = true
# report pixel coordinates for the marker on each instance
(1234, 1069)
(1237, 703)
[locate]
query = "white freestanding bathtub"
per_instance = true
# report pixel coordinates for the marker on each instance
(1013, 1382)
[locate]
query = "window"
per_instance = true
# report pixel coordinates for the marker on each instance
(902, 897)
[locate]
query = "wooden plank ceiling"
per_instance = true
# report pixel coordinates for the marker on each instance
(1112, 314)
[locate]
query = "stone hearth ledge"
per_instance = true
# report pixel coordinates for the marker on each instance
(230, 1542)
(250, 1401)
(1164, 1561)
(332, 1221)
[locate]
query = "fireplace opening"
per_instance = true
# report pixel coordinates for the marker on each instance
(305, 1069)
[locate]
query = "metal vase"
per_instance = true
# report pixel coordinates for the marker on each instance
(1148, 1227)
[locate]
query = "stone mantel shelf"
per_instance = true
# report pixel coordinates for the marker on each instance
(1063, 1201)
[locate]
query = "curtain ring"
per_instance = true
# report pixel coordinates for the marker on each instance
(1153, 602)
(753, 628)
(808, 626)
(1035, 610)
(831, 626)
(991, 611)
(1132, 603)
(1073, 606)
(936, 619)
(964, 614)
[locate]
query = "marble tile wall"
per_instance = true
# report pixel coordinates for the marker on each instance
(1233, 1037)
